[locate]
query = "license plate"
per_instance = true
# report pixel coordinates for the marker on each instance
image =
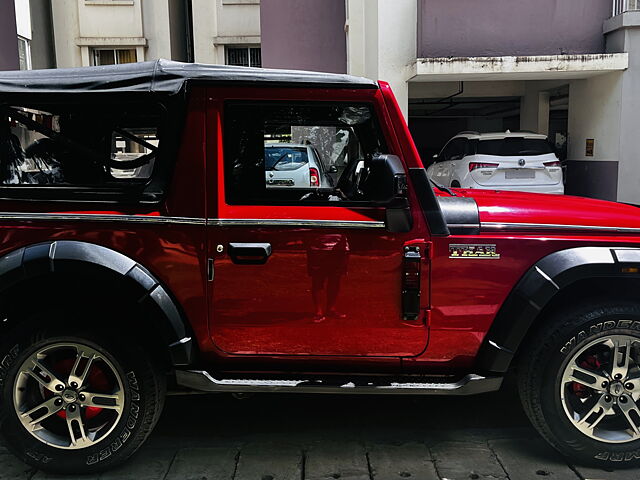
(285, 183)
(520, 173)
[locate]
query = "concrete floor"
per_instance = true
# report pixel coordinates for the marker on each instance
(281, 437)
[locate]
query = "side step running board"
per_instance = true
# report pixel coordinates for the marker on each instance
(468, 385)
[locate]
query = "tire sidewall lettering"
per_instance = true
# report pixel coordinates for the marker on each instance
(130, 423)
(596, 329)
(6, 363)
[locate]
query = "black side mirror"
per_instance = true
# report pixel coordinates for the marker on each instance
(386, 180)
(387, 185)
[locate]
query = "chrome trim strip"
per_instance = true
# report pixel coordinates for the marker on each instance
(551, 226)
(239, 222)
(90, 217)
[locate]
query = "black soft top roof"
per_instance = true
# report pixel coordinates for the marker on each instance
(162, 76)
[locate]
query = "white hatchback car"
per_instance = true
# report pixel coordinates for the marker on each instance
(291, 166)
(521, 161)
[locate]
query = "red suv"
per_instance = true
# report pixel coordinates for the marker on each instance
(141, 244)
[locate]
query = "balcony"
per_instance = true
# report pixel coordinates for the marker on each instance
(621, 6)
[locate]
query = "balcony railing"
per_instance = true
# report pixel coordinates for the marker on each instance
(621, 6)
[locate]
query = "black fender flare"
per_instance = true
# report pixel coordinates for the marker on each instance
(69, 256)
(535, 290)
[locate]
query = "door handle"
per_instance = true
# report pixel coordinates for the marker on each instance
(249, 253)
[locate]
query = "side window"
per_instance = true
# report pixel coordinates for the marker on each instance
(446, 152)
(458, 149)
(70, 145)
(298, 153)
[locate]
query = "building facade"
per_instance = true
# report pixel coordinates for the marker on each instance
(566, 68)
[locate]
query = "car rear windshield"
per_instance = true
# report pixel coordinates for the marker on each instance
(513, 146)
(285, 158)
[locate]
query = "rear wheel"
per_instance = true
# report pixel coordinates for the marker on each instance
(76, 403)
(579, 381)
(455, 184)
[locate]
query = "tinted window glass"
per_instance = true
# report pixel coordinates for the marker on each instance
(278, 152)
(84, 147)
(514, 146)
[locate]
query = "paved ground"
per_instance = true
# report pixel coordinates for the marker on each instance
(282, 437)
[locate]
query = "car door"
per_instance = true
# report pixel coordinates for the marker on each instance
(455, 153)
(440, 167)
(304, 273)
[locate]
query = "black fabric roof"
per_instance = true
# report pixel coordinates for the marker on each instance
(162, 76)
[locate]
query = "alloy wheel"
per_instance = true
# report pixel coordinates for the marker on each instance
(600, 389)
(68, 395)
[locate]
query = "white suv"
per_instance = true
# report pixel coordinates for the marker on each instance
(521, 161)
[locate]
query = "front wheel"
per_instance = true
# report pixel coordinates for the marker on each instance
(579, 381)
(76, 403)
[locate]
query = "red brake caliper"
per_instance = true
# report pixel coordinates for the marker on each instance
(97, 379)
(591, 363)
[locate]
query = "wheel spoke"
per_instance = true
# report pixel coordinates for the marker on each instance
(76, 428)
(49, 384)
(620, 359)
(586, 377)
(103, 400)
(80, 377)
(631, 412)
(48, 408)
(600, 409)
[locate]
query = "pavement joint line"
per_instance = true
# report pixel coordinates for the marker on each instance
(576, 471)
(173, 459)
(369, 467)
(495, 455)
(303, 464)
(435, 462)
(237, 461)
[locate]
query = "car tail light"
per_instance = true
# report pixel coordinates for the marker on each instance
(474, 165)
(555, 163)
(314, 177)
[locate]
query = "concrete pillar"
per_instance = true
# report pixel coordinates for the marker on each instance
(594, 116)
(534, 110)
(623, 35)
(381, 42)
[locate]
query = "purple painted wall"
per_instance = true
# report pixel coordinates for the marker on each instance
(467, 28)
(304, 34)
(8, 38)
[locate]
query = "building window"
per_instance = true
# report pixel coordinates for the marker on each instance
(114, 56)
(24, 53)
(244, 56)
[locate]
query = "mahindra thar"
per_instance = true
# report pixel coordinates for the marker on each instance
(228, 229)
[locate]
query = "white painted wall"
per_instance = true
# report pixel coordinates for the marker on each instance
(594, 112)
(110, 19)
(80, 25)
(156, 27)
(223, 22)
(381, 42)
(23, 18)
(66, 30)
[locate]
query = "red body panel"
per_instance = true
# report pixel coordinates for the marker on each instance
(247, 314)
(260, 318)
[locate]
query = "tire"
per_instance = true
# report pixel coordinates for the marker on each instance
(120, 416)
(455, 184)
(558, 395)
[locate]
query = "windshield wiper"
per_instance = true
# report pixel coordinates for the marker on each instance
(443, 189)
